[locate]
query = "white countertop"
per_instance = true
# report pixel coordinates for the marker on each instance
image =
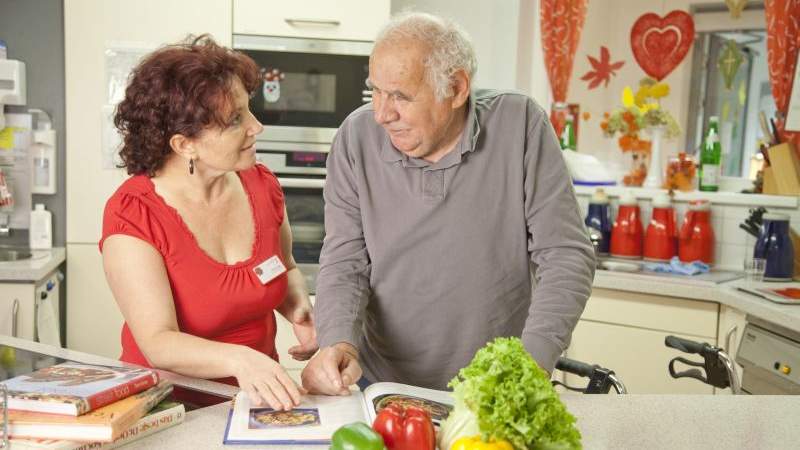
(605, 421)
(33, 269)
(685, 287)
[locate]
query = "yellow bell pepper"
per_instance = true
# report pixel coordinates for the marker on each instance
(475, 443)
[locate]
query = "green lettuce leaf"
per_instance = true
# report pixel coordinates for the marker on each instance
(514, 400)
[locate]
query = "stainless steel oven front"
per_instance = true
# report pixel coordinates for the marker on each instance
(300, 169)
(308, 86)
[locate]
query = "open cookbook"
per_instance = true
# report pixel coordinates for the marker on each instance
(314, 421)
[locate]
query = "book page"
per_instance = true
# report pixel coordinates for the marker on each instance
(312, 422)
(379, 395)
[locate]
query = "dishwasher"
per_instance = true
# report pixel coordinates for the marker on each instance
(770, 358)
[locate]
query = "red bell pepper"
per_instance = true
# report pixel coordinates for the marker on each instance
(408, 428)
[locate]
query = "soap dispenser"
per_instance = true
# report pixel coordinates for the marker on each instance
(41, 232)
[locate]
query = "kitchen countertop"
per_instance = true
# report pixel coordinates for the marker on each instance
(605, 421)
(723, 293)
(38, 266)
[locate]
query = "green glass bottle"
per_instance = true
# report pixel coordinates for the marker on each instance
(568, 141)
(710, 158)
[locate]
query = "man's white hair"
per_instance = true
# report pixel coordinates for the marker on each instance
(450, 47)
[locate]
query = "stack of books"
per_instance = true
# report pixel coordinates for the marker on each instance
(81, 406)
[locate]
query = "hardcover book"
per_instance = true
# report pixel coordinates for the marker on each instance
(317, 417)
(165, 415)
(101, 425)
(74, 388)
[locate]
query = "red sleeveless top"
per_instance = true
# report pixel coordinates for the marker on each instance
(213, 300)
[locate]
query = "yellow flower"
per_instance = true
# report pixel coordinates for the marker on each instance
(627, 97)
(659, 90)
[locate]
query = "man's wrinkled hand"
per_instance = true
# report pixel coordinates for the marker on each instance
(332, 370)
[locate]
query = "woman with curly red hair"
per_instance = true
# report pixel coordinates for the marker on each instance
(196, 243)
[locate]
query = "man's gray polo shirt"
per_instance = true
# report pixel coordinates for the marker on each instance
(424, 263)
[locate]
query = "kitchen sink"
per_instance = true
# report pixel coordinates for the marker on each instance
(14, 254)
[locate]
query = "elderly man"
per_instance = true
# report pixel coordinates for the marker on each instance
(442, 204)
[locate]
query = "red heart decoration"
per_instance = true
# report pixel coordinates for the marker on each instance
(659, 44)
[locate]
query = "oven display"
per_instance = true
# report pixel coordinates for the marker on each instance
(306, 159)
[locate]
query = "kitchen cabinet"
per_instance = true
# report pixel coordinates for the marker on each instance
(91, 29)
(729, 336)
(357, 20)
(625, 332)
(30, 310)
(94, 321)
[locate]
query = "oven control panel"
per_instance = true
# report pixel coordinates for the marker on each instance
(771, 352)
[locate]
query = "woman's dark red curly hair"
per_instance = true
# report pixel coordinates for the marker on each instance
(179, 89)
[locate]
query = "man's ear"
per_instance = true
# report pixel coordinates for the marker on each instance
(461, 87)
(183, 146)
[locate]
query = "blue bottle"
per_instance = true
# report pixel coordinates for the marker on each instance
(598, 219)
(775, 245)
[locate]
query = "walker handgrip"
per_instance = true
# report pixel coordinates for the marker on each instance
(574, 367)
(684, 345)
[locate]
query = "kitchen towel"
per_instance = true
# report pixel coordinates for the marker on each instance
(676, 266)
(47, 328)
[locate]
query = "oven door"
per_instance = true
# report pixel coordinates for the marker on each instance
(305, 208)
(308, 86)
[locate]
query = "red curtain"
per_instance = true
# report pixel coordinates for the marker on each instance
(561, 22)
(783, 41)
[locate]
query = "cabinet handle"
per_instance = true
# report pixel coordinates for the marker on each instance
(301, 22)
(14, 315)
(728, 336)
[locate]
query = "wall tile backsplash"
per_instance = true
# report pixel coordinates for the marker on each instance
(732, 243)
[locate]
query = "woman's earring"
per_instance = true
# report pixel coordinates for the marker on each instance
(191, 166)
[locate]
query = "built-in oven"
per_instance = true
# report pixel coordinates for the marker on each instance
(300, 168)
(308, 86)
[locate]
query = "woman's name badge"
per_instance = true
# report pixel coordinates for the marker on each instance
(269, 269)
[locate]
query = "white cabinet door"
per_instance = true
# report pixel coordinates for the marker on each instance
(731, 327)
(357, 20)
(638, 357)
(17, 310)
(93, 318)
(91, 28)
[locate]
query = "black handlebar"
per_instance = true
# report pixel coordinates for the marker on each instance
(576, 367)
(686, 345)
(717, 373)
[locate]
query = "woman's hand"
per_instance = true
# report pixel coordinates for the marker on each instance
(265, 381)
(302, 320)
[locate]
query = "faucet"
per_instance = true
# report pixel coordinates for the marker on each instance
(5, 224)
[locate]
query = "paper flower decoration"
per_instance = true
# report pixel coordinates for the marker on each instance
(730, 59)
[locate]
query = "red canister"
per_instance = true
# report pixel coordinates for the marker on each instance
(661, 238)
(696, 239)
(627, 232)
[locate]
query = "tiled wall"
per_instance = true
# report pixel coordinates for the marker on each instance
(731, 242)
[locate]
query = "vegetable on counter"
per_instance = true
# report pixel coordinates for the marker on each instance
(356, 436)
(505, 396)
(476, 443)
(407, 428)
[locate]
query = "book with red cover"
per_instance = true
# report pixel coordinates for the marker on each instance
(75, 389)
(101, 425)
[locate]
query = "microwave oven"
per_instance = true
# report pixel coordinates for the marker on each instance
(308, 86)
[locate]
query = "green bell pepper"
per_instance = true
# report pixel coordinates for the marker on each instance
(356, 436)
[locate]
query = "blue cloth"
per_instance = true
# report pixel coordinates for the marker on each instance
(676, 266)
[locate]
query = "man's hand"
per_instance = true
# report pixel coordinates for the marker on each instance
(332, 370)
